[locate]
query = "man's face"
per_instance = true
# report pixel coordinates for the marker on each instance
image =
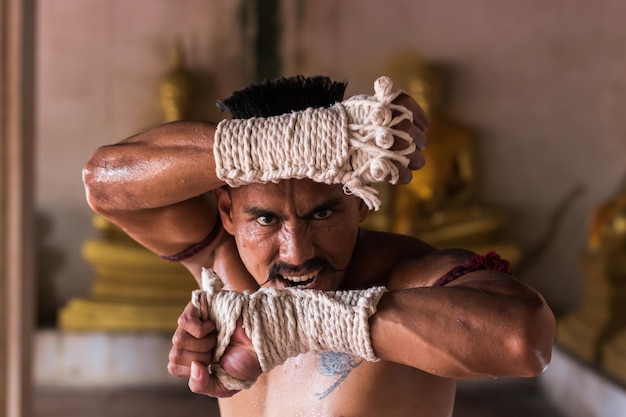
(295, 232)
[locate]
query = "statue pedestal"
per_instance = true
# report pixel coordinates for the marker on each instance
(614, 358)
(102, 359)
(602, 313)
(475, 228)
(133, 290)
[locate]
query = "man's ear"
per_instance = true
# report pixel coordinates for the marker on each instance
(224, 206)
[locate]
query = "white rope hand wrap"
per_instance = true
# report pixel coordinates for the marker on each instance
(286, 323)
(348, 143)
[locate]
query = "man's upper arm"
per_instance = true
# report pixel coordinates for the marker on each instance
(427, 270)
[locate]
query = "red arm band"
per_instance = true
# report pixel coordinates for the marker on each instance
(189, 252)
(490, 261)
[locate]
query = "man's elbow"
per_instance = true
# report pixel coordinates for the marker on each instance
(531, 347)
(95, 178)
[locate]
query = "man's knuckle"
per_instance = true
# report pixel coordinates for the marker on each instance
(182, 321)
(175, 355)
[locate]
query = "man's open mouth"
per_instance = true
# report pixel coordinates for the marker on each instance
(299, 280)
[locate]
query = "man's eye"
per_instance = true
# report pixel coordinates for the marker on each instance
(266, 220)
(322, 214)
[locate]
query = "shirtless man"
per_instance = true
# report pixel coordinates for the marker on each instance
(441, 315)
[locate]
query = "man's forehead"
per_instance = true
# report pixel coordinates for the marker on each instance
(293, 191)
(303, 186)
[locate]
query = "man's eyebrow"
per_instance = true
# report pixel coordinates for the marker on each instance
(255, 211)
(330, 204)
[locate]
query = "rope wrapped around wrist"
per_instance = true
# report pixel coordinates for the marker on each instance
(348, 143)
(286, 323)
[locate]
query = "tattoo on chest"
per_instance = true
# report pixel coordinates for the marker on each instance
(336, 366)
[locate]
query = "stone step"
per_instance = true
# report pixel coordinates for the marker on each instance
(102, 359)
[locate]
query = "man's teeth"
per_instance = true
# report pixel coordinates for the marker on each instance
(301, 278)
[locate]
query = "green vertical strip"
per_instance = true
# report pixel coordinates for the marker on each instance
(268, 59)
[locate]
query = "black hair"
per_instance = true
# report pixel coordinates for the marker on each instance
(283, 95)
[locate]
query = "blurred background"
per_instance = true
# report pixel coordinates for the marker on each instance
(528, 146)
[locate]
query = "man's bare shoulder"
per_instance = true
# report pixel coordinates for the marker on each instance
(378, 253)
(390, 246)
(399, 261)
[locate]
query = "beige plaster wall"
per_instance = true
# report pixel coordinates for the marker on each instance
(544, 84)
(98, 67)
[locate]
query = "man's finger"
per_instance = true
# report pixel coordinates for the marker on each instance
(185, 358)
(419, 116)
(191, 322)
(177, 370)
(183, 340)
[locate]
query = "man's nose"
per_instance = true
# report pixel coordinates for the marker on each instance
(296, 245)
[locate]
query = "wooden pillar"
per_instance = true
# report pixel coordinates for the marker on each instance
(16, 206)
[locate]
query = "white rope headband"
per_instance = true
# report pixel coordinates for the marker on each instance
(348, 143)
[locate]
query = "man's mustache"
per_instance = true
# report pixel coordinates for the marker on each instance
(282, 269)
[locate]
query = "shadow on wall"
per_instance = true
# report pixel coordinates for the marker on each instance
(50, 260)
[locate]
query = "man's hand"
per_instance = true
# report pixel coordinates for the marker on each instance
(416, 129)
(240, 360)
(192, 351)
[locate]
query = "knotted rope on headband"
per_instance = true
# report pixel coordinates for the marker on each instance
(286, 323)
(348, 143)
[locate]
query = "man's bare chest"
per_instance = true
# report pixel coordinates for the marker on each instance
(330, 384)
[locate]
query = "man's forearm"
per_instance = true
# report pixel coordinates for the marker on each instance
(483, 328)
(154, 185)
(162, 166)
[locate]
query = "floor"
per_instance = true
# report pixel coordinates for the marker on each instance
(513, 398)
(510, 398)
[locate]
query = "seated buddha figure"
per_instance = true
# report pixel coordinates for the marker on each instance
(175, 98)
(595, 331)
(607, 226)
(440, 203)
(133, 289)
(175, 89)
(444, 189)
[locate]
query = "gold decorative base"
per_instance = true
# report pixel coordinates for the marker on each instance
(580, 336)
(602, 312)
(474, 228)
(472, 224)
(477, 231)
(133, 290)
(614, 358)
(88, 314)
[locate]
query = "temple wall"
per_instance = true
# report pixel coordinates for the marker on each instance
(543, 83)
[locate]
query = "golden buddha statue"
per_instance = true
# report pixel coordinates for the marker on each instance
(133, 289)
(175, 89)
(447, 180)
(614, 231)
(590, 330)
(607, 226)
(439, 205)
